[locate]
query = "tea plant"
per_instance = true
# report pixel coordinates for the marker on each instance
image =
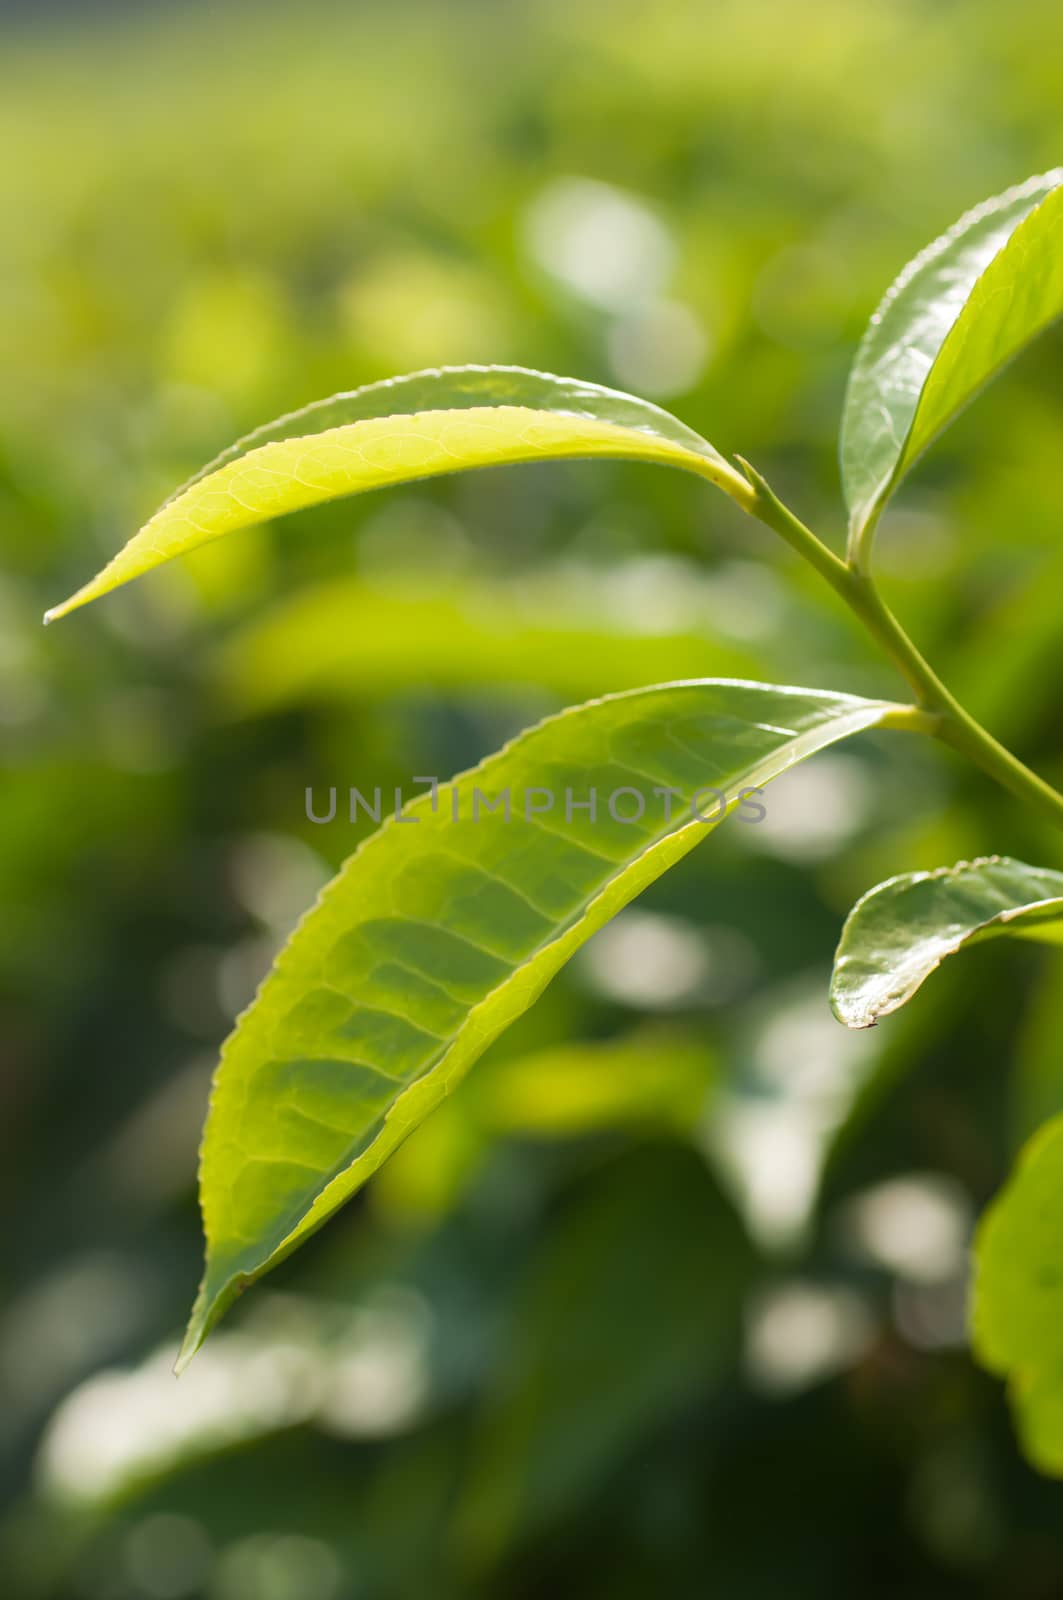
(433, 938)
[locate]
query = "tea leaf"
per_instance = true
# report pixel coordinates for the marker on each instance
(438, 933)
(956, 315)
(903, 929)
(420, 426)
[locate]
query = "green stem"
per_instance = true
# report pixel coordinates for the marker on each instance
(952, 724)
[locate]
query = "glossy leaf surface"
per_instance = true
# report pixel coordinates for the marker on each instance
(437, 933)
(903, 929)
(420, 426)
(956, 315)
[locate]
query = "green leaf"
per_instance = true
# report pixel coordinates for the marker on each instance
(419, 426)
(437, 934)
(1018, 1294)
(956, 315)
(903, 929)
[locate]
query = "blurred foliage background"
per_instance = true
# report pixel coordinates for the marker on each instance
(670, 1298)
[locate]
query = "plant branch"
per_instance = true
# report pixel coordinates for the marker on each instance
(769, 509)
(953, 725)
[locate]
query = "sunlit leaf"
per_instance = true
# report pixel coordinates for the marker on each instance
(437, 934)
(420, 426)
(956, 315)
(903, 929)
(1018, 1294)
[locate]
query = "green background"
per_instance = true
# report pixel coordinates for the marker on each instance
(678, 1309)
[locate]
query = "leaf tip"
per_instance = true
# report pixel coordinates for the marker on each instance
(76, 600)
(189, 1345)
(856, 1020)
(195, 1334)
(200, 1322)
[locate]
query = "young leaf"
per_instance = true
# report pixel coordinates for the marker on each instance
(1018, 1294)
(419, 426)
(438, 933)
(956, 315)
(903, 929)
